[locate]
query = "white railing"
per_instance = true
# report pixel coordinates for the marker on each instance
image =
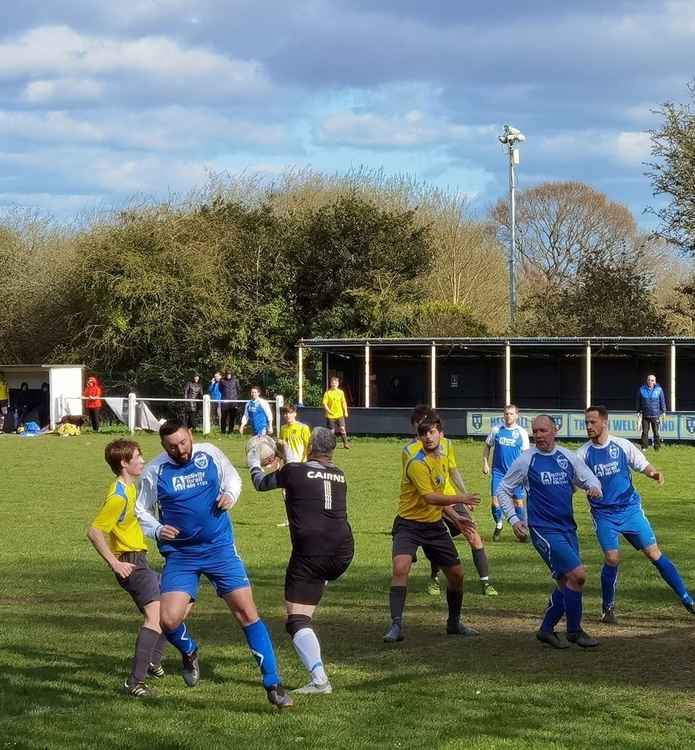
(132, 400)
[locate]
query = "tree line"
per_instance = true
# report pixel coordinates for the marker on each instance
(235, 274)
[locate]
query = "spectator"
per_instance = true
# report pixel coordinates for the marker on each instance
(258, 413)
(229, 387)
(93, 393)
(651, 406)
(192, 390)
(216, 394)
(45, 405)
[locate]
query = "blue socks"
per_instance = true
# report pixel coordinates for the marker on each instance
(609, 580)
(670, 574)
(180, 639)
(261, 646)
(554, 611)
(497, 514)
(573, 609)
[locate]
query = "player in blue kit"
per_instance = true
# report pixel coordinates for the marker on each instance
(507, 440)
(549, 474)
(619, 511)
(258, 414)
(194, 486)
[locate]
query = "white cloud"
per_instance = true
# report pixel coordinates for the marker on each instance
(64, 89)
(412, 129)
(633, 148)
(627, 148)
(58, 52)
(163, 129)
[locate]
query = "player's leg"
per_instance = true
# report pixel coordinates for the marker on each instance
(399, 587)
(342, 431)
(440, 549)
(520, 505)
(495, 507)
(554, 612)
(638, 531)
(480, 560)
(299, 627)
(226, 571)
(609, 584)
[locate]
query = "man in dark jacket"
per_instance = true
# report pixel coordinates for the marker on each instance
(229, 388)
(193, 390)
(651, 405)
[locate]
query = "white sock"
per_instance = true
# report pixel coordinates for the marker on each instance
(307, 646)
(499, 525)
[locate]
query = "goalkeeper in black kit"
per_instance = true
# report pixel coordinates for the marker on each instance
(322, 544)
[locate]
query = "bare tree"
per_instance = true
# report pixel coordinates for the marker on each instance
(561, 224)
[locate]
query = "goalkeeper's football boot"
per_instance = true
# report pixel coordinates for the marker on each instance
(497, 534)
(313, 688)
(279, 697)
(191, 668)
(551, 638)
(583, 639)
(394, 634)
(608, 616)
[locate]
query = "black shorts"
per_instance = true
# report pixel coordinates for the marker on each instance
(434, 538)
(143, 583)
(337, 425)
(306, 576)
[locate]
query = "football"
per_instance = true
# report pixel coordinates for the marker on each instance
(265, 445)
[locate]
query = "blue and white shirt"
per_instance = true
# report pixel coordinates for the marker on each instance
(611, 463)
(185, 496)
(259, 414)
(549, 480)
(508, 443)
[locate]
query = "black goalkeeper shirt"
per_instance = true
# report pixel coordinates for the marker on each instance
(316, 500)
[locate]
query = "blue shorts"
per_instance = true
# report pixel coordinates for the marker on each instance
(559, 550)
(630, 522)
(220, 565)
(497, 477)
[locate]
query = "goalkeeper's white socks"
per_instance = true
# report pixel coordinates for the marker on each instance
(308, 648)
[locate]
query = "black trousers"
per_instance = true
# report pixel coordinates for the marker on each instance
(191, 418)
(228, 418)
(94, 418)
(654, 422)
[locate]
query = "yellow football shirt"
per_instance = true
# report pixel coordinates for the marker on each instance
(117, 519)
(4, 393)
(334, 403)
(446, 449)
(423, 475)
(296, 437)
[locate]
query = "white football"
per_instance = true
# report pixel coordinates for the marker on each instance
(265, 445)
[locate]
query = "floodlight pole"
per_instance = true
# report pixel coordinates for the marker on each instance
(512, 247)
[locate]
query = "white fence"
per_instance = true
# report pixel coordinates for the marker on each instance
(136, 414)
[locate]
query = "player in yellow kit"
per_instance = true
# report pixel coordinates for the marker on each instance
(336, 410)
(452, 516)
(295, 435)
(116, 535)
(419, 524)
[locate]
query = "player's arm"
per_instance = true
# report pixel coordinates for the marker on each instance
(487, 447)
(261, 481)
(324, 401)
(230, 481)
(268, 413)
(525, 442)
(513, 479)
(343, 403)
(244, 418)
(584, 478)
(145, 506)
(98, 539)
(420, 477)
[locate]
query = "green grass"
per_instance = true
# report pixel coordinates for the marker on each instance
(67, 630)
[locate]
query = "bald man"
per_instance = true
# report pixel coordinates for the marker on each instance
(549, 473)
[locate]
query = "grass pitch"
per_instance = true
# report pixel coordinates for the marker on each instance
(67, 630)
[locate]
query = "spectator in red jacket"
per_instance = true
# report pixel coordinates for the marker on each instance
(93, 394)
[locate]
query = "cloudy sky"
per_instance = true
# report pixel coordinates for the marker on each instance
(102, 100)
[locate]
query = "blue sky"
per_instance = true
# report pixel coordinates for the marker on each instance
(103, 100)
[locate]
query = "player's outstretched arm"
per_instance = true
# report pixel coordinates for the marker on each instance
(261, 481)
(145, 505)
(515, 477)
(652, 473)
(584, 478)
